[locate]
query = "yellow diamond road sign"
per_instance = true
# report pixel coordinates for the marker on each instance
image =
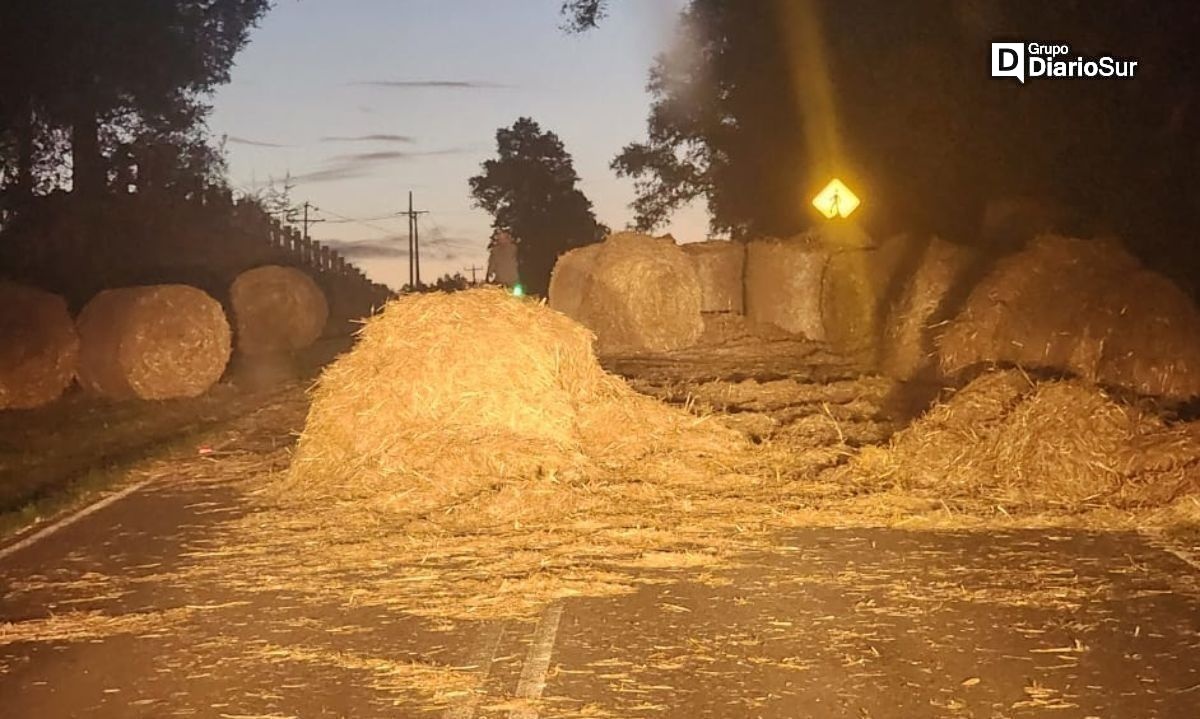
(836, 200)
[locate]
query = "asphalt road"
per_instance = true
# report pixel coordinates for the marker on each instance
(822, 623)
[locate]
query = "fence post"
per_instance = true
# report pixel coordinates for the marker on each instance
(293, 242)
(306, 251)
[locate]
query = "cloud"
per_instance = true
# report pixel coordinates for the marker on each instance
(435, 84)
(381, 156)
(372, 249)
(235, 140)
(369, 138)
(343, 171)
(436, 236)
(361, 164)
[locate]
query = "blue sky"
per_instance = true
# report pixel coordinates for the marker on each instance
(363, 100)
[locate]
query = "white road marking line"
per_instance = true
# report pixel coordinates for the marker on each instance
(484, 660)
(537, 661)
(71, 519)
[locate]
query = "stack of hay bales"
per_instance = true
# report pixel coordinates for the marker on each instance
(39, 348)
(719, 266)
(1085, 307)
(827, 285)
(489, 387)
(152, 342)
(1062, 444)
(636, 293)
(783, 284)
(277, 310)
(922, 304)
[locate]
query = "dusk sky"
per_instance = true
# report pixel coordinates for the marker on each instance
(363, 100)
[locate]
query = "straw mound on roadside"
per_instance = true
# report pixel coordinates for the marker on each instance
(1086, 307)
(39, 348)
(448, 393)
(277, 309)
(719, 266)
(1058, 444)
(152, 342)
(641, 295)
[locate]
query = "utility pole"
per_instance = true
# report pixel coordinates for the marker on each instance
(307, 221)
(473, 269)
(414, 244)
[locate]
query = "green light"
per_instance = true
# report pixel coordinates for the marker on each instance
(518, 291)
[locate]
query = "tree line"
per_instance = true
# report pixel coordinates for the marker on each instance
(95, 95)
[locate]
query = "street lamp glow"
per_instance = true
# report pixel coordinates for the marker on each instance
(836, 200)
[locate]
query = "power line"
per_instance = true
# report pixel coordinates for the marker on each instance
(363, 223)
(380, 218)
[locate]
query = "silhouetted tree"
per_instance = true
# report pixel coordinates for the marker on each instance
(916, 112)
(109, 74)
(451, 283)
(530, 191)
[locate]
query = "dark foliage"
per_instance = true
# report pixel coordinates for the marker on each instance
(738, 122)
(531, 191)
(115, 93)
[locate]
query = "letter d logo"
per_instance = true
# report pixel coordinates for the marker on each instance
(1008, 60)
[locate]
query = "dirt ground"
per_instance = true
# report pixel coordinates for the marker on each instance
(782, 596)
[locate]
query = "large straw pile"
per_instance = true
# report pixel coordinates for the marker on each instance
(641, 294)
(1056, 445)
(1086, 307)
(912, 319)
(154, 342)
(719, 266)
(568, 281)
(444, 391)
(277, 309)
(39, 349)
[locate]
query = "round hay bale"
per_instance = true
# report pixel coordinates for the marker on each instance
(1147, 332)
(907, 347)
(568, 280)
(719, 266)
(1086, 307)
(153, 342)
(1042, 307)
(39, 348)
(277, 309)
(784, 284)
(643, 295)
